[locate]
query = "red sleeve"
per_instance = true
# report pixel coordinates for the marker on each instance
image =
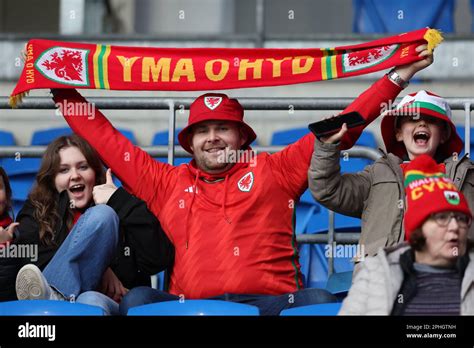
(290, 166)
(140, 174)
(369, 104)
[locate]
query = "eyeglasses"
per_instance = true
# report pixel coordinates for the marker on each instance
(443, 219)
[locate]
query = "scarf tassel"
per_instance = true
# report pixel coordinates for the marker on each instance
(433, 37)
(16, 99)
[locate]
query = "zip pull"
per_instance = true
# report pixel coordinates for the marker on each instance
(186, 245)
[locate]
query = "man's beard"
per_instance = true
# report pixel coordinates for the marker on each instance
(210, 165)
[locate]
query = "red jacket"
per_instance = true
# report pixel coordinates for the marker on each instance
(229, 238)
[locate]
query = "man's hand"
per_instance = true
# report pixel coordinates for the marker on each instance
(102, 193)
(407, 71)
(335, 138)
(111, 286)
(6, 234)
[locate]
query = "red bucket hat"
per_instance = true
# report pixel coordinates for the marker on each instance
(421, 103)
(215, 106)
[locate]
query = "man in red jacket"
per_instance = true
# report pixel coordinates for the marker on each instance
(232, 224)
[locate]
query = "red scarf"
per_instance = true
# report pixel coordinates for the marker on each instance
(5, 221)
(55, 64)
(76, 215)
(441, 167)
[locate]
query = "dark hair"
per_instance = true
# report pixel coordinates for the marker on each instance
(44, 196)
(8, 189)
(417, 239)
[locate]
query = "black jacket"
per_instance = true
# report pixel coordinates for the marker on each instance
(148, 252)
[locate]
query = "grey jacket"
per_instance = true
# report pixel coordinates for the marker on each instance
(380, 278)
(376, 194)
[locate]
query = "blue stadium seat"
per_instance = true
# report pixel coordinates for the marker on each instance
(315, 223)
(400, 16)
(472, 15)
(324, 309)
(194, 307)
(45, 136)
(47, 308)
(161, 281)
(177, 160)
(289, 136)
(311, 217)
(313, 259)
(22, 175)
(161, 138)
(339, 283)
(367, 138)
(305, 212)
(6, 138)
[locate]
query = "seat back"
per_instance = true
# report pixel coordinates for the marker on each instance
(339, 283)
(6, 138)
(324, 309)
(45, 136)
(46, 308)
(162, 137)
(195, 307)
(400, 16)
(22, 175)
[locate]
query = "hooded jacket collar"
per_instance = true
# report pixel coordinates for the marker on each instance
(209, 178)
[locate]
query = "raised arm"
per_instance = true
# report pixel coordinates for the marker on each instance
(295, 158)
(139, 172)
(381, 94)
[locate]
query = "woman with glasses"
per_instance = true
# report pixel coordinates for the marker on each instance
(431, 273)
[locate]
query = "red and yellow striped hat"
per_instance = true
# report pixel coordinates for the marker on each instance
(429, 191)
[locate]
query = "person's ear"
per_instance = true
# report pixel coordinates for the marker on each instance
(189, 139)
(243, 136)
(445, 134)
(398, 129)
(398, 134)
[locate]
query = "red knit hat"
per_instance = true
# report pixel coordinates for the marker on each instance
(423, 103)
(429, 191)
(215, 106)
